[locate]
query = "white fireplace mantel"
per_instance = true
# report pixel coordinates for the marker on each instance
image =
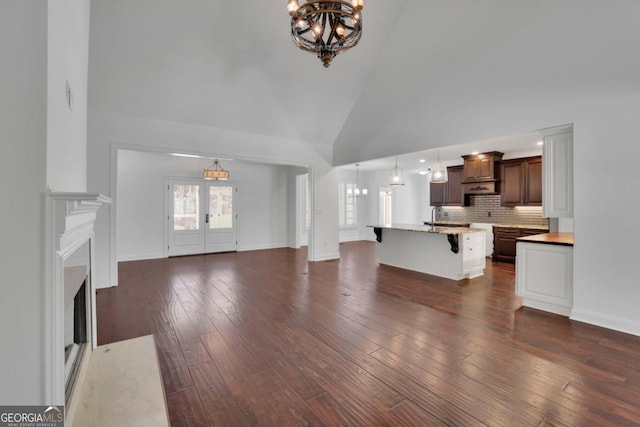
(69, 224)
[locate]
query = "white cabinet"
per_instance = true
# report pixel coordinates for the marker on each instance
(557, 172)
(473, 254)
(544, 276)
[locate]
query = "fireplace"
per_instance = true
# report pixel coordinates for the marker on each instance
(69, 293)
(77, 312)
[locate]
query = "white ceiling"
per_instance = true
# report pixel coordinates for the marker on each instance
(232, 65)
(226, 64)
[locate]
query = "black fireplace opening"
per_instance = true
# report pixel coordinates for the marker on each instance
(73, 351)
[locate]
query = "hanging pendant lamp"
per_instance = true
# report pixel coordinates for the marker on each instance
(215, 172)
(397, 177)
(439, 175)
(359, 192)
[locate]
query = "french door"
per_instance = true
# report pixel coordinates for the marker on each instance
(202, 217)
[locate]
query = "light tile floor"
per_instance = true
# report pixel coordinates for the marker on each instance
(123, 387)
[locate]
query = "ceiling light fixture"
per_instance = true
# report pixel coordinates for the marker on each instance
(439, 175)
(398, 176)
(215, 172)
(358, 191)
(326, 27)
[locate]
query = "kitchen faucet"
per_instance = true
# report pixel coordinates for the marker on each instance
(433, 220)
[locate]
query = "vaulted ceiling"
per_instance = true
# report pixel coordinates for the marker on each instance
(232, 65)
(227, 64)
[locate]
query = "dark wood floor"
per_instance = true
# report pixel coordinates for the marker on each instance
(265, 338)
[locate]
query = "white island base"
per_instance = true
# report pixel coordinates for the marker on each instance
(429, 250)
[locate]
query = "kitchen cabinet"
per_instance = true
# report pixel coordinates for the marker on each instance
(480, 167)
(512, 185)
(521, 182)
(533, 182)
(544, 275)
(449, 193)
(454, 186)
(473, 254)
(437, 193)
(557, 172)
(504, 241)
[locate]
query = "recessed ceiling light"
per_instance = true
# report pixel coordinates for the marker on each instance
(422, 160)
(540, 143)
(423, 171)
(474, 152)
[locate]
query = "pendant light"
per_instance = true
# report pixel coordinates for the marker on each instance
(359, 192)
(215, 172)
(439, 175)
(397, 177)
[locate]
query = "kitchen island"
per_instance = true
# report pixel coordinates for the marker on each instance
(454, 253)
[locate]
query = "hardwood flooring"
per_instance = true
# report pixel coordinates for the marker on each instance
(265, 338)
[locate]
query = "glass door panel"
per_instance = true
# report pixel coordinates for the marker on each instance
(220, 207)
(221, 233)
(186, 207)
(186, 234)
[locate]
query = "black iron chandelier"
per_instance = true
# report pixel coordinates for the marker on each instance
(326, 27)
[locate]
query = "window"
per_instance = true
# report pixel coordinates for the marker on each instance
(186, 207)
(346, 204)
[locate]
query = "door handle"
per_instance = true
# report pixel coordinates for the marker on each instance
(206, 218)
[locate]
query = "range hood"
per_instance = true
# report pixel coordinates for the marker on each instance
(481, 173)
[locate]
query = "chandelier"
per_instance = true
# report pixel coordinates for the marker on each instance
(215, 172)
(357, 191)
(326, 27)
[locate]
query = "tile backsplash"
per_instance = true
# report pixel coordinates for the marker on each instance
(487, 209)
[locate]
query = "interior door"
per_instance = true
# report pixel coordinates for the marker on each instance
(186, 222)
(202, 217)
(220, 217)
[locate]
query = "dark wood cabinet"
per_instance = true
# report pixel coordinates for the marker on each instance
(521, 182)
(512, 185)
(504, 241)
(437, 193)
(454, 186)
(449, 193)
(533, 181)
(480, 167)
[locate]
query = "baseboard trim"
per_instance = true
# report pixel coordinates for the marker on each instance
(327, 257)
(606, 321)
(140, 257)
(260, 247)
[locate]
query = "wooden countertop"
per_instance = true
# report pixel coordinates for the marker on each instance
(565, 239)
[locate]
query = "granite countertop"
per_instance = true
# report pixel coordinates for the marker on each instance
(429, 229)
(467, 223)
(564, 239)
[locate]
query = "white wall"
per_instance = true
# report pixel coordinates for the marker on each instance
(68, 53)
(36, 57)
(107, 132)
(23, 44)
(261, 203)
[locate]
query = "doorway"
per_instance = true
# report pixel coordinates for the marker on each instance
(202, 217)
(385, 206)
